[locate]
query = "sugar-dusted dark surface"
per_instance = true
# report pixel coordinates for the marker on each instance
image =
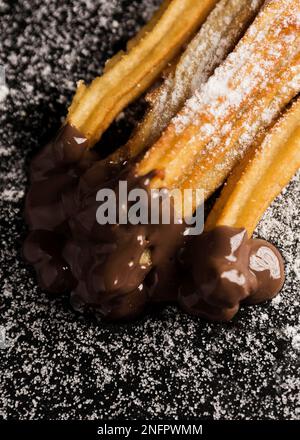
(61, 365)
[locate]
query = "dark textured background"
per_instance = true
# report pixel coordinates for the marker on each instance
(61, 365)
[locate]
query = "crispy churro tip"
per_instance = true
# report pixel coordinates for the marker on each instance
(139, 36)
(129, 74)
(261, 176)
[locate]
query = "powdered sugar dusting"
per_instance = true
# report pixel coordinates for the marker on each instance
(3, 93)
(243, 97)
(222, 93)
(208, 49)
(248, 90)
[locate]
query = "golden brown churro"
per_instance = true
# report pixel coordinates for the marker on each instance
(95, 106)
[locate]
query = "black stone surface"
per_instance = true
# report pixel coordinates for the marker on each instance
(59, 365)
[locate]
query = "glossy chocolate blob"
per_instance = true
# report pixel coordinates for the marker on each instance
(226, 270)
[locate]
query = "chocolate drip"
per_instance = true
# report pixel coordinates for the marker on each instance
(117, 270)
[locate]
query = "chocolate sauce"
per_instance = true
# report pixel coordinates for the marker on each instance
(117, 270)
(106, 268)
(226, 269)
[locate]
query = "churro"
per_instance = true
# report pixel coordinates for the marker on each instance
(129, 74)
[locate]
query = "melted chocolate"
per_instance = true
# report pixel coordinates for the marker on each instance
(117, 270)
(227, 269)
(104, 267)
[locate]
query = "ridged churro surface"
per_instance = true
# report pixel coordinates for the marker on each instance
(244, 96)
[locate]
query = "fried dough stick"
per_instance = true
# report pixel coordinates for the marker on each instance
(95, 106)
